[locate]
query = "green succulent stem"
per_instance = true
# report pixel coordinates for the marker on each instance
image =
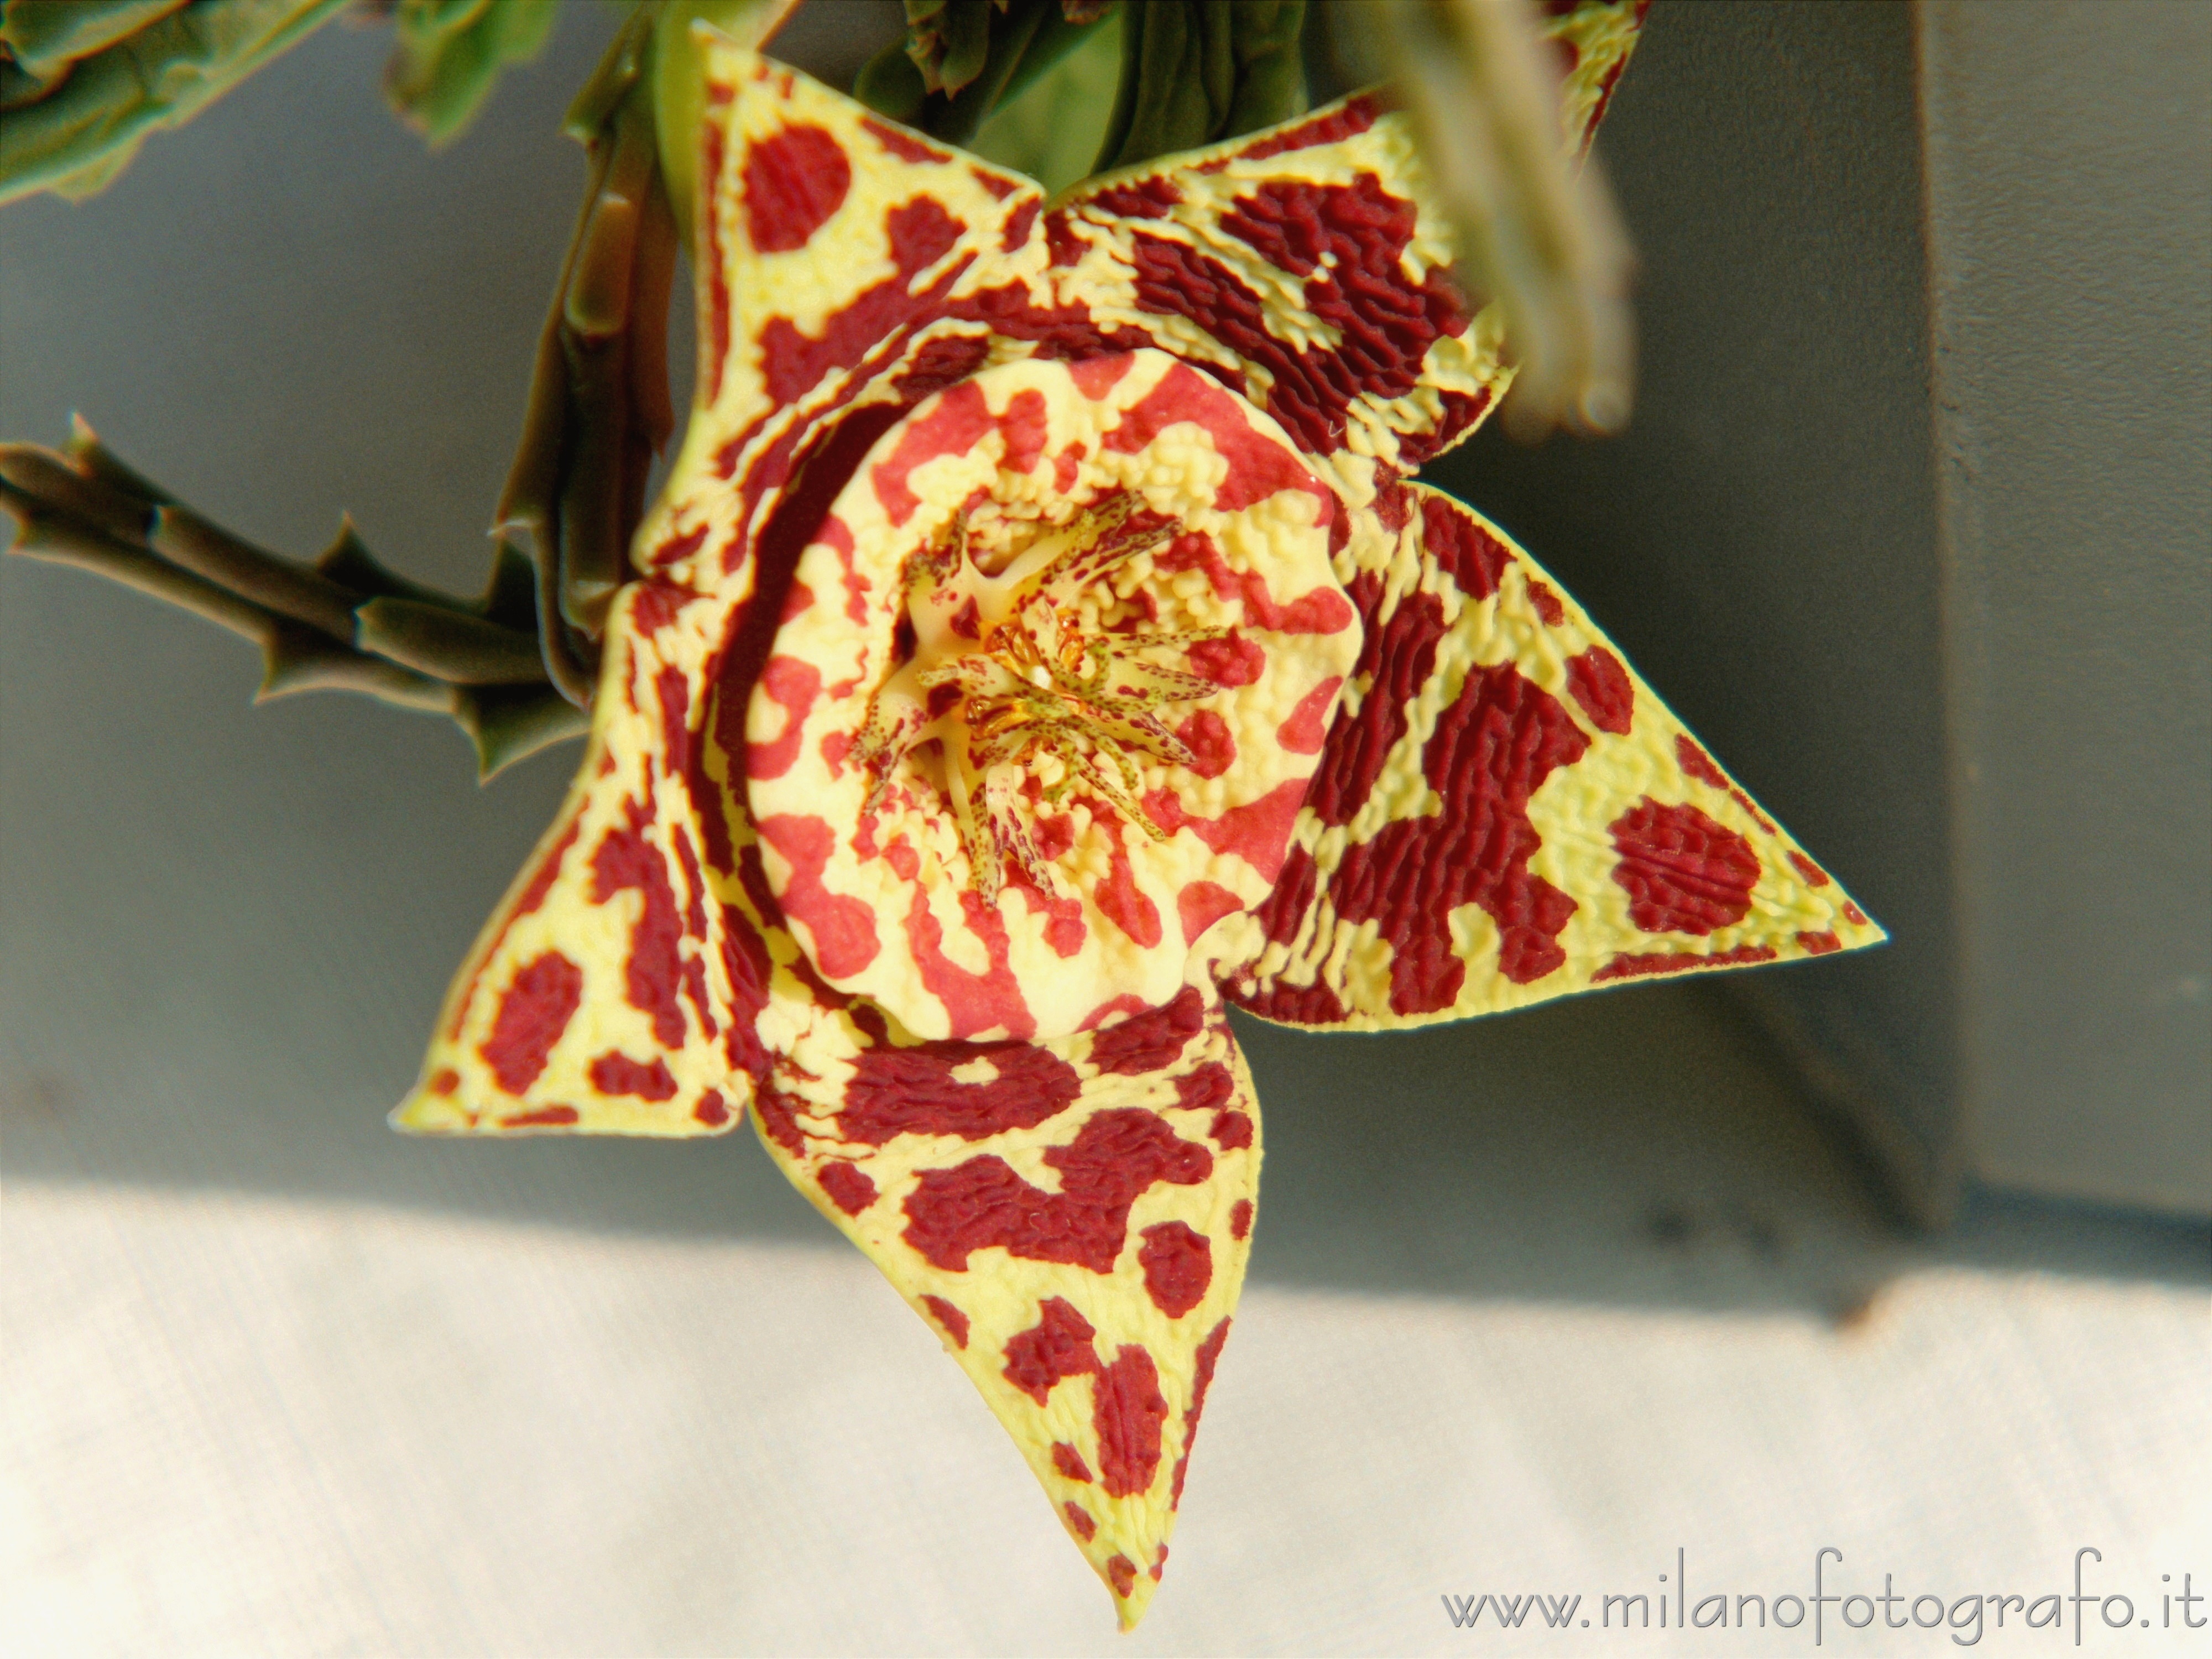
(343, 622)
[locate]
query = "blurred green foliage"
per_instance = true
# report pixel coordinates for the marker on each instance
(1053, 128)
(447, 54)
(84, 82)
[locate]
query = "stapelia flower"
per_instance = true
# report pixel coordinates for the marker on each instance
(1038, 638)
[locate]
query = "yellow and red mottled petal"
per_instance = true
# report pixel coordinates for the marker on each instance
(1505, 813)
(616, 988)
(1593, 39)
(846, 263)
(1306, 267)
(1297, 266)
(1073, 1217)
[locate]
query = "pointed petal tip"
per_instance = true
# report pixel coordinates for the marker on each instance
(423, 1113)
(1130, 1609)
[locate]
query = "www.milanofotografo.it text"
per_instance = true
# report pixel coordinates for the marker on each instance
(1833, 1607)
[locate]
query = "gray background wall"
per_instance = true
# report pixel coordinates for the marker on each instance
(2069, 171)
(1948, 616)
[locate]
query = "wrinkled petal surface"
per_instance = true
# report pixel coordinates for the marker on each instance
(1072, 1217)
(1506, 813)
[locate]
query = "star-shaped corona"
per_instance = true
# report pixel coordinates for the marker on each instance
(1039, 645)
(1030, 578)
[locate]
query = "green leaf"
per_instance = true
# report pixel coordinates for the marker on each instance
(45, 38)
(448, 54)
(81, 130)
(1197, 71)
(1053, 118)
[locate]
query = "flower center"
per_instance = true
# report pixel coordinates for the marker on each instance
(1019, 697)
(1047, 695)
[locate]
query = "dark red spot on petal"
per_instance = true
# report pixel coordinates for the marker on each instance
(1752, 807)
(954, 1322)
(1473, 558)
(718, 256)
(1596, 680)
(1683, 872)
(1240, 1219)
(546, 1117)
(1231, 1131)
(1333, 128)
(944, 361)
(1095, 377)
(1209, 1355)
(1080, 1522)
(795, 180)
(1115, 1157)
(1308, 723)
(1128, 1411)
(1207, 737)
(1178, 1264)
(1069, 1461)
(1547, 604)
(616, 1074)
(896, 1091)
(1258, 832)
(974, 1003)
(1318, 610)
(1199, 904)
(712, 1110)
(534, 1012)
(901, 144)
(1122, 1572)
(1258, 466)
(921, 234)
(1152, 1041)
(625, 859)
(1231, 662)
(1207, 1088)
(549, 870)
(1114, 1007)
(778, 1115)
(1122, 903)
(1630, 965)
(1148, 198)
(1349, 242)
(1396, 657)
(844, 928)
(445, 1081)
(1697, 763)
(850, 1188)
(678, 547)
(1820, 945)
(1491, 750)
(1021, 224)
(793, 682)
(1057, 1347)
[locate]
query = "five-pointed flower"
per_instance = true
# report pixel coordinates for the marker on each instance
(1038, 645)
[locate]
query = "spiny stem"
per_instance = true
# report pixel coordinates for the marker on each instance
(343, 623)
